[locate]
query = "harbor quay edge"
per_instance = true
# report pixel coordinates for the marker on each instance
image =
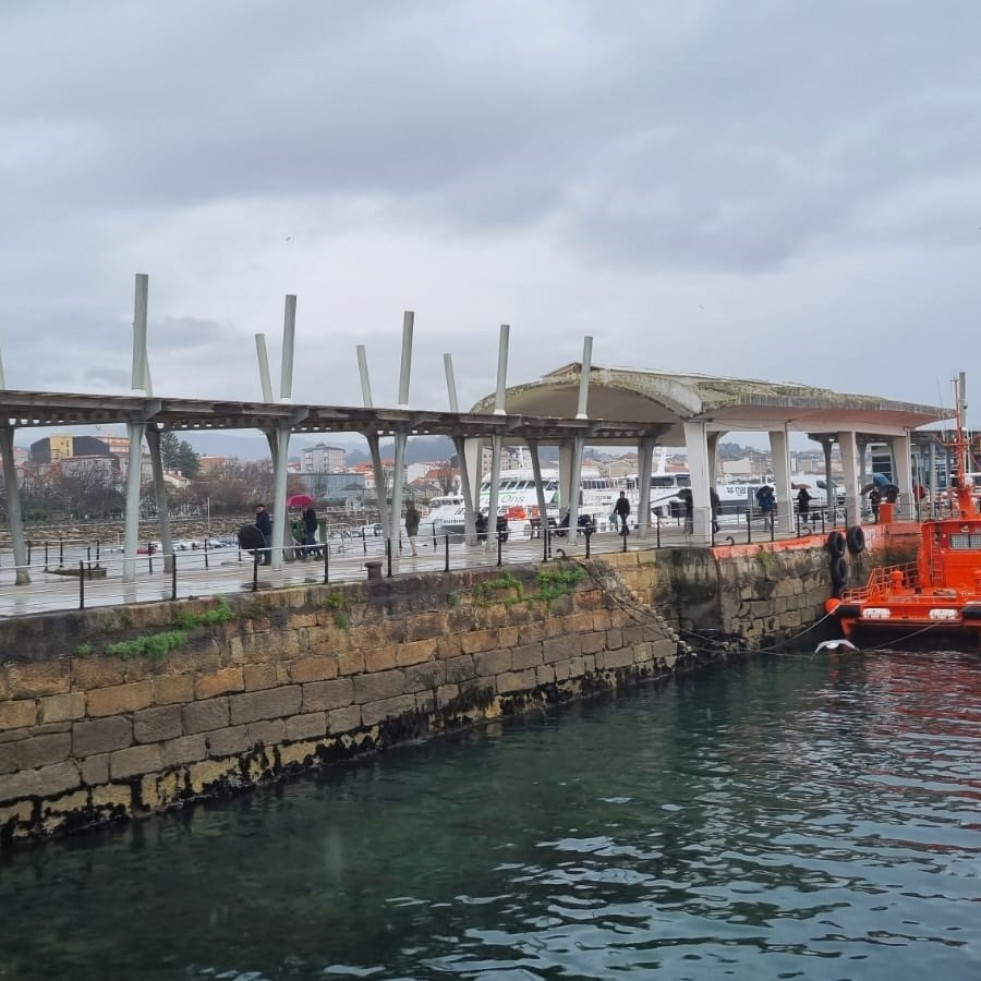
(121, 712)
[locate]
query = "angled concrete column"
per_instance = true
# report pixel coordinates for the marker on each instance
(160, 489)
(398, 486)
(495, 484)
(575, 486)
(713, 451)
(696, 440)
(903, 472)
(848, 444)
(282, 539)
(466, 487)
(15, 516)
(134, 475)
(780, 454)
(566, 454)
(536, 469)
(381, 485)
(645, 459)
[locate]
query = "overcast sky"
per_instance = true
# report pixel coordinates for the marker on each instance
(786, 191)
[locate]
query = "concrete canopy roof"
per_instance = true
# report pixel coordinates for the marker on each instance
(664, 401)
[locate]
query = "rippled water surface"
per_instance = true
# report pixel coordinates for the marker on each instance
(803, 817)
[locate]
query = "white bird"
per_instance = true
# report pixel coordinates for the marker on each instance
(833, 646)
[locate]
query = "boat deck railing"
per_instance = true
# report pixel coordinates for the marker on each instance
(903, 577)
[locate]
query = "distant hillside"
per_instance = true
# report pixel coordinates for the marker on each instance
(251, 446)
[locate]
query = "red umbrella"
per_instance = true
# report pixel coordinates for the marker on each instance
(299, 501)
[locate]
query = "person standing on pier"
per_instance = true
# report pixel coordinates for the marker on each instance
(622, 510)
(264, 523)
(768, 505)
(310, 531)
(412, 518)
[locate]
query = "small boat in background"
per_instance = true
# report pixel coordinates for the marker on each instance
(940, 592)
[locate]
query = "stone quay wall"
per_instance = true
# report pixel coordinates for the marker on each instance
(227, 694)
(264, 684)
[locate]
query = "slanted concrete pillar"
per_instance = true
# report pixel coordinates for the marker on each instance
(495, 484)
(696, 441)
(398, 485)
(381, 485)
(713, 452)
(134, 475)
(903, 473)
(282, 538)
(780, 454)
(14, 514)
(575, 486)
(160, 488)
(848, 444)
(466, 487)
(536, 469)
(566, 453)
(645, 459)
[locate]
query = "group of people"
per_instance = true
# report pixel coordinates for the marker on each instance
(304, 532)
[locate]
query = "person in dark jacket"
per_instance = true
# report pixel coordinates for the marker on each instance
(412, 518)
(310, 532)
(622, 510)
(264, 523)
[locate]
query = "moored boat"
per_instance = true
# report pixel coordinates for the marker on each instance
(939, 592)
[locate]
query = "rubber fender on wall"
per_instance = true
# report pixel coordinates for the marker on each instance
(855, 539)
(836, 544)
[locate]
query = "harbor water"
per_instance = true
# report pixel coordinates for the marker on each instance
(804, 817)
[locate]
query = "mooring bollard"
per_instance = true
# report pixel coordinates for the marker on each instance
(374, 567)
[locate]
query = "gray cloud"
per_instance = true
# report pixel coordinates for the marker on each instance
(786, 191)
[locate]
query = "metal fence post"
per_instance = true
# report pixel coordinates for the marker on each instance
(446, 565)
(255, 571)
(326, 560)
(499, 542)
(81, 584)
(206, 552)
(749, 527)
(388, 555)
(28, 553)
(149, 556)
(173, 576)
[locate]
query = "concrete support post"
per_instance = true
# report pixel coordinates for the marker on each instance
(575, 486)
(160, 489)
(933, 478)
(398, 484)
(381, 484)
(587, 359)
(405, 371)
(502, 370)
(466, 488)
(848, 444)
(134, 475)
(282, 539)
(713, 458)
(536, 469)
(780, 454)
(566, 454)
(645, 459)
(495, 484)
(903, 473)
(696, 440)
(263, 358)
(15, 516)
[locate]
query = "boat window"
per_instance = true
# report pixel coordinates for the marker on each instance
(962, 540)
(684, 480)
(664, 481)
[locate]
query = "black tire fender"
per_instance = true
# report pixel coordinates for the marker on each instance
(855, 539)
(836, 544)
(839, 571)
